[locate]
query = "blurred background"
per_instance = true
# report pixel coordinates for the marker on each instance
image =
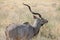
(13, 11)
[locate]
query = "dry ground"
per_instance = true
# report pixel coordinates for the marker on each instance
(13, 11)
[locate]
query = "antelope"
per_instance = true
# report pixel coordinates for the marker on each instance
(25, 31)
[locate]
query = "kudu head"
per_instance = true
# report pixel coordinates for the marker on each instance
(40, 19)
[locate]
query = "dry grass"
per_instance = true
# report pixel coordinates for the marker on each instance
(13, 11)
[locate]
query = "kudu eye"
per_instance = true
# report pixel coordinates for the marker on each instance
(41, 24)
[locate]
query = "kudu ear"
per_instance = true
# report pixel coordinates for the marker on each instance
(34, 17)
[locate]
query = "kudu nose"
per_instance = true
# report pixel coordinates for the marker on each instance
(47, 21)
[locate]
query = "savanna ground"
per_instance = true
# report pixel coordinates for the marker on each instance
(13, 11)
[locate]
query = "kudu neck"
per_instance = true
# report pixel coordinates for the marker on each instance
(36, 26)
(36, 23)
